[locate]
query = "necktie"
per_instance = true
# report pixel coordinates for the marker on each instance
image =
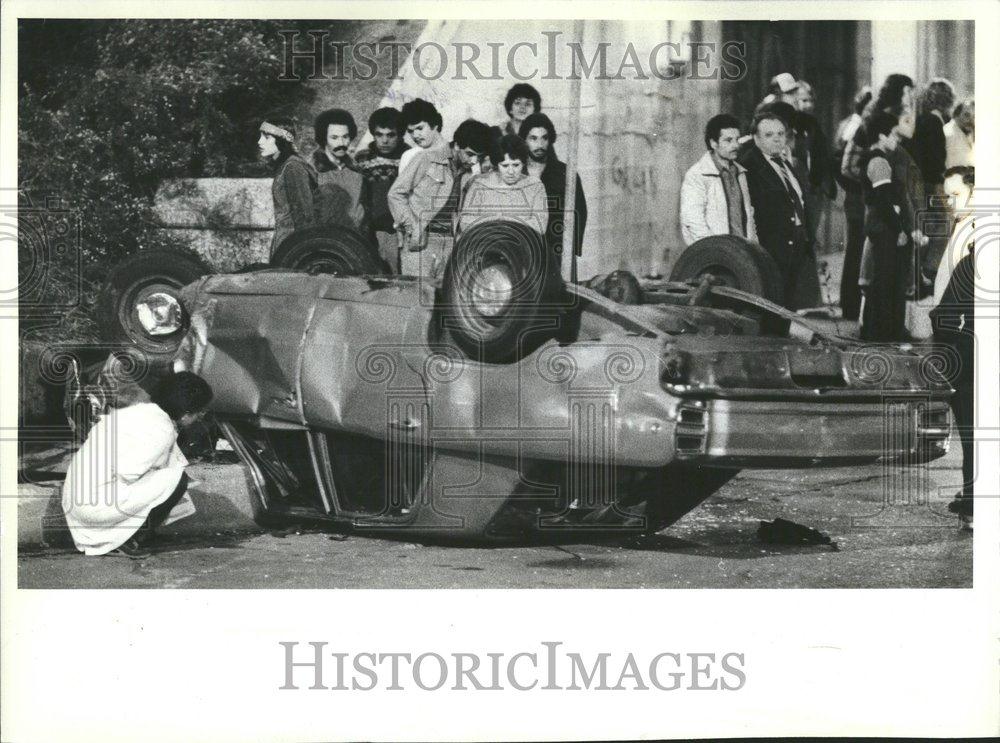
(785, 173)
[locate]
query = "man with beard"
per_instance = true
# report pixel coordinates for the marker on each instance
(379, 166)
(338, 200)
(540, 135)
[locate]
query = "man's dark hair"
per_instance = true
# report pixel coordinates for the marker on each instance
(510, 145)
(890, 95)
(862, 99)
(182, 393)
(967, 172)
(386, 118)
(522, 90)
(766, 115)
(534, 121)
(419, 110)
(333, 116)
(715, 125)
(880, 122)
(474, 134)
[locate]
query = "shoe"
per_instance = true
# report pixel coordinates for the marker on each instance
(961, 506)
(131, 549)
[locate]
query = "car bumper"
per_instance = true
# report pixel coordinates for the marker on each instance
(750, 433)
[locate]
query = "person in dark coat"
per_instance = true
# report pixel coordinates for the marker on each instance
(294, 186)
(854, 212)
(777, 198)
(539, 133)
(929, 149)
(887, 286)
(954, 324)
(379, 166)
(895, 97)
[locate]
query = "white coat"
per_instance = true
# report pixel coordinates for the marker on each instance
(129, 464)
(704, 210)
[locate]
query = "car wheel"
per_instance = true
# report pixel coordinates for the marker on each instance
(330, 250)
(502, 294)
(140, 306)
(734, 262)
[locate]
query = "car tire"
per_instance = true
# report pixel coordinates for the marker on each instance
(502, 294)
(329, 250)
(144, 279)
(734, 261)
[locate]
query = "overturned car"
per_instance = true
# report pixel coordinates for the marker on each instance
(502, 401)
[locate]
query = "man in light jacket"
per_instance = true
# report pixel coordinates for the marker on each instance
(715, 199)
(421, 191)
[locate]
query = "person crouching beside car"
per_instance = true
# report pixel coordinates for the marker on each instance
(294, 185)
(506, 193)
(128, 477)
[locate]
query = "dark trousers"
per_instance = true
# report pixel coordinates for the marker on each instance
(159, 513)
(790, 263)
(850, 292)
(963, 409)
(884, 318)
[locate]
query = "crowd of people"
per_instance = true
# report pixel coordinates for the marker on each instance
(902, 160)
(905, 160)
(414, 202)
(892, 157)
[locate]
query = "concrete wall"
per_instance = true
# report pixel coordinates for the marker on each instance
(924, 50)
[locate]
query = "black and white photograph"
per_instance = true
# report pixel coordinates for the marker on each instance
(644, 304)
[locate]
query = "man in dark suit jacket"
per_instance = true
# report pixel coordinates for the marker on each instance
(777, 198)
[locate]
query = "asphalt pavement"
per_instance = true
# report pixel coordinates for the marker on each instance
(890, 529)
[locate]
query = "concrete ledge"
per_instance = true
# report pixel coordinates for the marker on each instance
(221, 497)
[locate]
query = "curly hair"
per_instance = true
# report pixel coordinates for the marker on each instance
(333, 116)
(939, 95)
(522, 90)
(715, 125)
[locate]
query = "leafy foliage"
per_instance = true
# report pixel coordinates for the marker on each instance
(108, 109)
